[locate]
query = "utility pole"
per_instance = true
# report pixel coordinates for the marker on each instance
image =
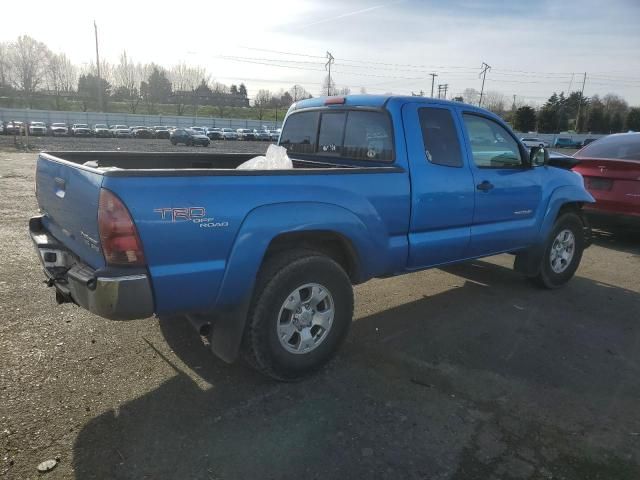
(584, 80)
(95, 29)
(327, 66)
(433, 78)
(483, 73)
(445, 87)
(439, 89)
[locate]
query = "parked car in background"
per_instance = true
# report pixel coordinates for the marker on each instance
(189, 137)
(121, 131)
(200, 130)
(246, 134)
(101, 130)
(566, 142)
(37, 129)
(1, 128)
(229, 134)
(534, 142)
(610, 167)
(59, 129)
(214, 134)
(587, 141)
(142, 132)
(275, 135)
(161, 132)
(81, 130)
(263, 135)
(14, 128)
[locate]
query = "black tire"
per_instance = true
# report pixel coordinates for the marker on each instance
(279, 276)
(547, 277)
(173, 142)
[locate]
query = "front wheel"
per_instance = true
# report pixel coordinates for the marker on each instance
(562, 253)
(300, 314)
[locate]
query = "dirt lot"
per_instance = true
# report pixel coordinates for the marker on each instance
(462, 373)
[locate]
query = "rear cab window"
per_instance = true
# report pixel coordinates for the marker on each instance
(349, 134)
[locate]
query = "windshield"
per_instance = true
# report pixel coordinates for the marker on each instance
(619, 147)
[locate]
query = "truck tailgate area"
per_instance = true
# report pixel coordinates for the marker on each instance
(68, 199)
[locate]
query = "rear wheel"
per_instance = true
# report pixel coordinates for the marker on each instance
(562, 253)
(300, 314)
(173, 142)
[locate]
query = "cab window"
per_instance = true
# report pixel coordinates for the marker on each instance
(349, 134)
(441, 144)
(491, 145)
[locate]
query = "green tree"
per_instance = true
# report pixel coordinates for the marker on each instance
(525, 119)
(632, 122)
(89, 87)
(597, 120)
(156, 89)
(242, 90)
(615, 125)
(547, 120)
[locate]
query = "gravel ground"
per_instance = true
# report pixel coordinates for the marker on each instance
(462, 373)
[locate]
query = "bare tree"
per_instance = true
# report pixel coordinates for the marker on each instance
(61, 77)
(127, 78)
(471, 96)
(344, 91)
(615, 104)
(185, 80)
(328, 87)
(4, 64)
(28, 61)
(263, 100)
(495, 102)
(298, 92)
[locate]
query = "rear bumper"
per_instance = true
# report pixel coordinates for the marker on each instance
(602, 217)
(116, 294)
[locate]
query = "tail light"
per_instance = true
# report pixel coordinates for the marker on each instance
(119, 238)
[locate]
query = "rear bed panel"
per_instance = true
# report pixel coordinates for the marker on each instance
(68, 198)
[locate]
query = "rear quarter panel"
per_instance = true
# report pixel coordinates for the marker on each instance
(188, 257)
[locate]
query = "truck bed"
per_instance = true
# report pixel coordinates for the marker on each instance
(180, 163)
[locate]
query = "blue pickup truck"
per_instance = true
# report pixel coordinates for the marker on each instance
(263, 261)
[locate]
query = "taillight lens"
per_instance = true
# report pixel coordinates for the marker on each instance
(119, 238)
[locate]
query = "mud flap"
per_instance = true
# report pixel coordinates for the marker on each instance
(528, 262)
(225, 335)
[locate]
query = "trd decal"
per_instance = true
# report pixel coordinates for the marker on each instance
(196, 215)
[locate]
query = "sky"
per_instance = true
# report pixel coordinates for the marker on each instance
(533, 47)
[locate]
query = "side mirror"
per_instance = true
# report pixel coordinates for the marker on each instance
(538, 156)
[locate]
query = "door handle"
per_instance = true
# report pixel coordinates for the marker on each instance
(485, 186)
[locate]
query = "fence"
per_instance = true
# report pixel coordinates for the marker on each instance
(92, 118)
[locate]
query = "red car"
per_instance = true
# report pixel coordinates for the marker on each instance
(611, 170)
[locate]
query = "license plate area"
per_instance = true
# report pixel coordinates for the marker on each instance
(599, 183)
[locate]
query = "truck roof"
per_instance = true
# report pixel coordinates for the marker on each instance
(379, 101)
